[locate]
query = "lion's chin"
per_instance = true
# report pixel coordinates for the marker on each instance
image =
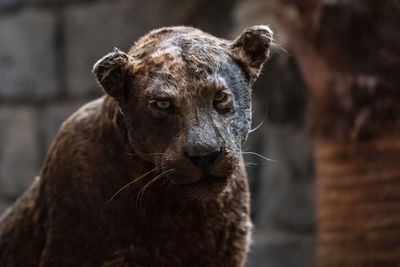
(208, 188)
(212, 180)
(206, 179)
(203, 188)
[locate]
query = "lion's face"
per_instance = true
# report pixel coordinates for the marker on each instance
(185, 99)
(191, 124)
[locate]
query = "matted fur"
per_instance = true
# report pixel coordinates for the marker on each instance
(125, 183)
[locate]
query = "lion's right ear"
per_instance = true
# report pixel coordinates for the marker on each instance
(251, 48)
(110, 72)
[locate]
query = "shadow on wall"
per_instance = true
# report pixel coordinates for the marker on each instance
(47, 49)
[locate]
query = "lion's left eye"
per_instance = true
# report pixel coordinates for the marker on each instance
(223, 102)
(220, 96)
(163, 104)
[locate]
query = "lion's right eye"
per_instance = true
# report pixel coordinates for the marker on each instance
(162, 105)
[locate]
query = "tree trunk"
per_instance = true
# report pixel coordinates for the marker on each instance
(358, 188)
(349, 56)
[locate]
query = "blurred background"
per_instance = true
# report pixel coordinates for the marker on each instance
(343, 48)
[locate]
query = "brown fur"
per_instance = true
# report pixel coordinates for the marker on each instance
(128, 184)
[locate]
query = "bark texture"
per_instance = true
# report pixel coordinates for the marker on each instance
(358, 203)
(349, 57)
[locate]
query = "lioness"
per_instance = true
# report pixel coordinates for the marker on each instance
(151, 174)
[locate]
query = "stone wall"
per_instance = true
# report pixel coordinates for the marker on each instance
(47, 49)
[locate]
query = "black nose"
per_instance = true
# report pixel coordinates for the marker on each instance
(204, 161)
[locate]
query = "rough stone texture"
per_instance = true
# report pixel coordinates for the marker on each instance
(283, 191)
(283, 197)
(209, 15)
(270, 249)
(18, 150)
(287, 185)
(6, 5)
(56, 2)
(27, 55)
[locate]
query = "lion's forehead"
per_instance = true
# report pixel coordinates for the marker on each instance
(181, 85)
(175, 58)
(172, 71)
(178, 51)
(184, 38)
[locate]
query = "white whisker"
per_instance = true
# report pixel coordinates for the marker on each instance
(142, 191)
(130, 183)
(261, 156)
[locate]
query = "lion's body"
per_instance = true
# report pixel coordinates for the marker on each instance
(101, 201)
(78, 226)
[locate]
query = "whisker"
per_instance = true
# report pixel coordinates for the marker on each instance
(130, 183)
(244, 149)
(142, 191)
(169, 186)
(250, 164)
(257, 127)
(261, 123)
(261, 156)
(279, 47)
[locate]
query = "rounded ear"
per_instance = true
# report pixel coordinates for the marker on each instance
(110, 72)
(251, 49)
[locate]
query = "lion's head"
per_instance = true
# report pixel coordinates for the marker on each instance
(185, 98)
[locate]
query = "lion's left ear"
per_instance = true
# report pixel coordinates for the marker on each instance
(110, 72)
(251, 49)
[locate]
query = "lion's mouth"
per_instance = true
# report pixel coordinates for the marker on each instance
(205, 179)
(214, 178)
(209, 180)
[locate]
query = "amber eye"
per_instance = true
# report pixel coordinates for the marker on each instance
(163, 104)
(220, 96)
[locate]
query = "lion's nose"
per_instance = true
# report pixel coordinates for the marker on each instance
(204, 161)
